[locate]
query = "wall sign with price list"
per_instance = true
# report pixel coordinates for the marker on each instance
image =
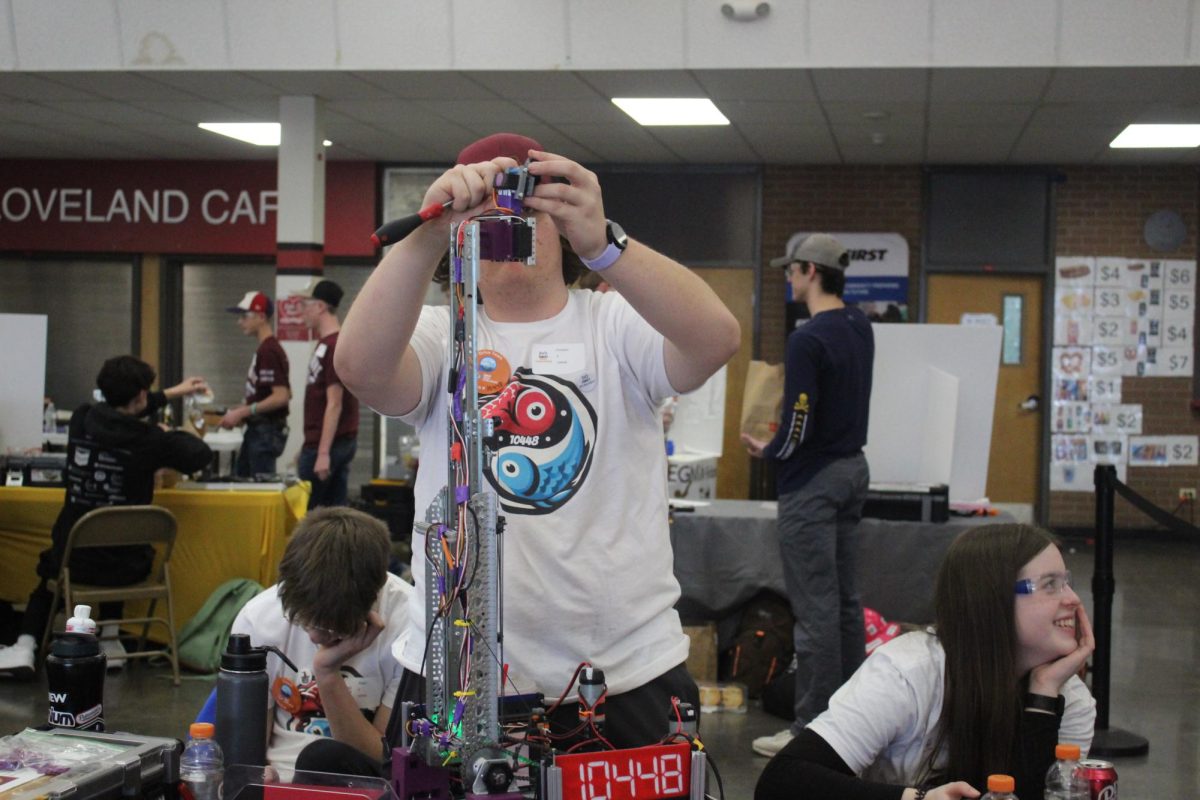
(1116, 320)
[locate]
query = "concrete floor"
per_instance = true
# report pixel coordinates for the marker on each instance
(1155, 683)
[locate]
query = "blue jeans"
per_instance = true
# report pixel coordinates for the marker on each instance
(817, 543)
(262, 443)
(332, 491)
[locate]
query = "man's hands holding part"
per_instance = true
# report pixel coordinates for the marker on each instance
(576, 206)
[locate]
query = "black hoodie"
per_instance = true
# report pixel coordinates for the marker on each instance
(111, 461)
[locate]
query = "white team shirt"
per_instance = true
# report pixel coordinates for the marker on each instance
(372, 675)
(582, 481)
(883, 721)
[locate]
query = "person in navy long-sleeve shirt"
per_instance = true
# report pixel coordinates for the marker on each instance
(821, 475)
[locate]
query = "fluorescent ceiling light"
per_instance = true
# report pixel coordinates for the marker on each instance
(671, 110)
(263, 134)
(1158, 136)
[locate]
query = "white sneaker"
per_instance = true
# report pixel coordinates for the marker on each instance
(16, 661)
(115, 652)
(770, 745)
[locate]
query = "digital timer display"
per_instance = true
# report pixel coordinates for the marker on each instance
(658, 772)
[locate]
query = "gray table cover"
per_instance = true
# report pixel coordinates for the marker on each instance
(728, 551)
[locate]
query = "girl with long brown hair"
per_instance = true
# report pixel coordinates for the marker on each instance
(991, 689)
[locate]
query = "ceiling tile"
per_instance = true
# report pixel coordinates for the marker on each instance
(639, 83)
(1124, 85)
(775, 85)
(971, 144)
(535, 85)
(341, 85)
(42, 86)
(121, 85)
(708, 145)
(597, 111)
(632, 145)
(957, 115)
(767, 112)
(980, 85)
(872, 85)
(417, 85)
(498, 114)
(792, 144)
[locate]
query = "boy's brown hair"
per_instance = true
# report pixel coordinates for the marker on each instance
(333, 569)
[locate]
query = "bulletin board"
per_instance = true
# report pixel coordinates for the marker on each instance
(1116, 320)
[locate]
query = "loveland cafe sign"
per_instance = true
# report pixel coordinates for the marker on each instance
(195, 207)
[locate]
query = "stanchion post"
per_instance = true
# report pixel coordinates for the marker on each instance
(1109, 742)
(1102, 592)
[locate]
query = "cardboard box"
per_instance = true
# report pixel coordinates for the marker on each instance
(702, 657)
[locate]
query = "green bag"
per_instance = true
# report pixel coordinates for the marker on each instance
(203, 638)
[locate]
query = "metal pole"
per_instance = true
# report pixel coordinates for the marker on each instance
(1110, 742)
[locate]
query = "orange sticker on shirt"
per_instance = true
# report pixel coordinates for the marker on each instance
(494, 372)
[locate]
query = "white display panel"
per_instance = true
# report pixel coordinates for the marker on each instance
(932, 404)
(24, 383)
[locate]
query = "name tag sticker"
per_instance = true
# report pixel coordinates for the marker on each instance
(556, 359)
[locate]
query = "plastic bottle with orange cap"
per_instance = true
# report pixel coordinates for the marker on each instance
(202, 766)
(1000, 787)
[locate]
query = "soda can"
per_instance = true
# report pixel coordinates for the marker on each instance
(1101, 777)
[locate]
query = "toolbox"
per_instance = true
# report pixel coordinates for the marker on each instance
(124, 766)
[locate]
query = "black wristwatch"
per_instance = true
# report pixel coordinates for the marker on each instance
(1055, 705)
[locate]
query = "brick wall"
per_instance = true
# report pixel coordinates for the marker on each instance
(1101, 212)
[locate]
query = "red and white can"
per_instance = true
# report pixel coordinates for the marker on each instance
(1101, 777)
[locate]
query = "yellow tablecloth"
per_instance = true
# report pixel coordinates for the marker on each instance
(223, 534)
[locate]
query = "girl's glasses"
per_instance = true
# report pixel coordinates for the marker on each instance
(1050, 583)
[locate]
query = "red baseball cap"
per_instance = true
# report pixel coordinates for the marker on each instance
(254, 301)
(513, 145)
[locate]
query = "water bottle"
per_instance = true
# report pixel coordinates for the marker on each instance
(1000, 787)
(1064, 781)
(75, 679)
(242, 701)
(201, 767)
(50, 419)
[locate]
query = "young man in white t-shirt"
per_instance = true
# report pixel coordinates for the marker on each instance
(572, 381)
(335, 612)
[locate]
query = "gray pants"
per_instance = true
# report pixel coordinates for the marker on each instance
(816, 539)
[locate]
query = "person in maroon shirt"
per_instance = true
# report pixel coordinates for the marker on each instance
(330, 412)
(268, 391)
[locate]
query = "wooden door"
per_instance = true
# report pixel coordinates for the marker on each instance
(1014, 467)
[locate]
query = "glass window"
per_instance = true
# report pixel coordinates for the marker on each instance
(90, 309)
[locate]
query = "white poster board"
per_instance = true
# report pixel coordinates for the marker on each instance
(699, 424)
(24, 381)
(932, 401)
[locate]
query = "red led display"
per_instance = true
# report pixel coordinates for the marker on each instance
(659, 772)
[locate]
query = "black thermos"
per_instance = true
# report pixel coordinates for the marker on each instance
(75, 677)
(242, 703)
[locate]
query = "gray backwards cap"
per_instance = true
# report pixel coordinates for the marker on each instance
(820, 248)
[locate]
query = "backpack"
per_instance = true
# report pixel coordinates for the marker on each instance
(202, 639)
(763, 645)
